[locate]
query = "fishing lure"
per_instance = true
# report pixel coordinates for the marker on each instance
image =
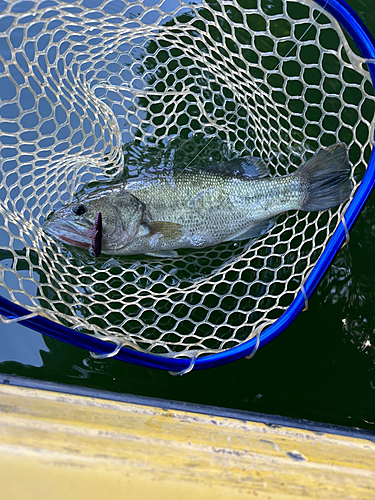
(96, 238)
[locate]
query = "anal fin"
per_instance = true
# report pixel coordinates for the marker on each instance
(163, 253)
(256, 229)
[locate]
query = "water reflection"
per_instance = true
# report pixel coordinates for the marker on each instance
(91, 366)
(18, 343)
(349, 284)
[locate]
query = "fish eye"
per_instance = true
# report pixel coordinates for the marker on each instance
(79, 209)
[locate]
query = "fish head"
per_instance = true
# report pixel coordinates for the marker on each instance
(121, 219)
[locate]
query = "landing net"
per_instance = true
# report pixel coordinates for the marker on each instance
(94, 90)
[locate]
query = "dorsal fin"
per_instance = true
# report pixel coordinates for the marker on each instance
(248, 166)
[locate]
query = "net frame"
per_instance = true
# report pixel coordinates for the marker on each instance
(365, 44)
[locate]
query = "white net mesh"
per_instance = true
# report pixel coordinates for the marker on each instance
(92, 89)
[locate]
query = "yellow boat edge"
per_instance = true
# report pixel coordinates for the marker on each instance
(75, 446)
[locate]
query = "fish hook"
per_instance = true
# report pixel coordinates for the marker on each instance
(96, 238)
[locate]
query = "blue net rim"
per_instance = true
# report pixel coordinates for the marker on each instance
(346, 16)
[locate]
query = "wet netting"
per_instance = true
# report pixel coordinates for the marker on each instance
(96, 90)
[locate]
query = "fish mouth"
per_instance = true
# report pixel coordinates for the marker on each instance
(73, 233)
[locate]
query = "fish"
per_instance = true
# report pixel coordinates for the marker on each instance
(170, 210)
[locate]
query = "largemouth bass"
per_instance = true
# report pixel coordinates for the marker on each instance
(235, 200)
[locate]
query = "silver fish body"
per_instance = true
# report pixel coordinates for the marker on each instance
(210, 209)
(195, 209)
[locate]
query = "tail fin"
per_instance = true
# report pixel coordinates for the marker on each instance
(326, 174)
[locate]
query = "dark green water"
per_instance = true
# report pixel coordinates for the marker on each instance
(322, 368)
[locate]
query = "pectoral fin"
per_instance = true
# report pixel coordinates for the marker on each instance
(255, 231)
(166, 229)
